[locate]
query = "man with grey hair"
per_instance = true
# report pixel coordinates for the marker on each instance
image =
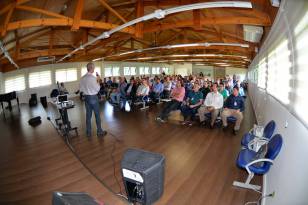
(89, 85)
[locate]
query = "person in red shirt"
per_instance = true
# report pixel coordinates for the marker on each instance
(177, 97)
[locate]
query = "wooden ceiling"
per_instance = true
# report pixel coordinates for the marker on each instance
(36, 28)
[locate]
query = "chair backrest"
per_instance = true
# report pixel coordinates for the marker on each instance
(274, 146)
(269, 129)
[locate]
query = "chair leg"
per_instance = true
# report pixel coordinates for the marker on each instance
(144, 106)
(247, 184)
(159, 101)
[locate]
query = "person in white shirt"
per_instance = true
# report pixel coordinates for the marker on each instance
(213, 104)
(89, 85)
(143, 89)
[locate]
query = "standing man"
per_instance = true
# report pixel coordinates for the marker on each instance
(212, 104)
(234, 106)
(89, 85)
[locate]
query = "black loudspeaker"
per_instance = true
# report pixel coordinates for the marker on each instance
(73, 198)
(143, 175)
(44, 101)
(33, 100)
(35, 121)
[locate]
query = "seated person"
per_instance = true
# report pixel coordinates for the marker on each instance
(212, 103)
(119, 93)
(224, 92)
(240, 89)
(142, 90)
(234, 106)
(167, 88)
(205, 89)
(131, 90)
(103, 87)
(191, 105)
(177, 96)
(109, 82)
(62, 89)
(158, 88)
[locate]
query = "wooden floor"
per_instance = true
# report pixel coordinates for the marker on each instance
(200, 163)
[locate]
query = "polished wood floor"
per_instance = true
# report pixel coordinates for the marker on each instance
(200, 163)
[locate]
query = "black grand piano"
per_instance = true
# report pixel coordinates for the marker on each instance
(8, 97)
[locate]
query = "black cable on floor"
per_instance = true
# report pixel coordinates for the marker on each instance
(67, 142)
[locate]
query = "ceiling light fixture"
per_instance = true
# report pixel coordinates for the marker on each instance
(158, 14)
(206, 44)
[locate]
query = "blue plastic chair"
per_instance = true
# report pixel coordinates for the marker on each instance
(231, 119)
(247, 159)
(267, 134)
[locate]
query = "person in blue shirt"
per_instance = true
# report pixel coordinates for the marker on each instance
(233, 106)
(157, 89)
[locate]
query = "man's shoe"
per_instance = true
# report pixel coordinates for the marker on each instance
(89, 135)
(158, 119)
(211, 126)
(104, 133)
(224, 128)
(235, 132)
(203, 123)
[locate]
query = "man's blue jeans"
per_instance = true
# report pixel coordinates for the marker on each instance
(91, 103)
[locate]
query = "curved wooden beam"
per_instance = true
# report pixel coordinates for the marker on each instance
(63, 22)
(40, 11)
(156, 26)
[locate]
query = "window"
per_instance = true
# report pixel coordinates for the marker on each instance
(301, 83)
(108, 71)
(165, 70)
(278, 78)
(262, 74)
(129, 70)
(132, 70)
(66, 75)
(141, 70)
(112, 71)
(40, 78)
(155, 70)
(146, 70)
(15, 83)
(96, 70)
(116, 71)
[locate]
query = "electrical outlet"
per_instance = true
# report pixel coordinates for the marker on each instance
(272, 194)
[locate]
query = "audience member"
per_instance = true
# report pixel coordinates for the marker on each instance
(177, 96)
(234, 106)
(120, 92)
(157, 89)
(62, 89)
(191, 105)
(213, 104)
(224, 92)
(143, 90)
(205, 89)
(167, 88)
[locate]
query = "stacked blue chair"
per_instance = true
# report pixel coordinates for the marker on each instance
(267, 134)
(249, 160)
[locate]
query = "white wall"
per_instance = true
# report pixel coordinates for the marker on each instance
(183, 69)
(206, 70)
(241, 72)
(288, 176)
(1, 83)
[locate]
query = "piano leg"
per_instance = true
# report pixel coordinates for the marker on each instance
(3, 109)
(10, 106)
(18, 104)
